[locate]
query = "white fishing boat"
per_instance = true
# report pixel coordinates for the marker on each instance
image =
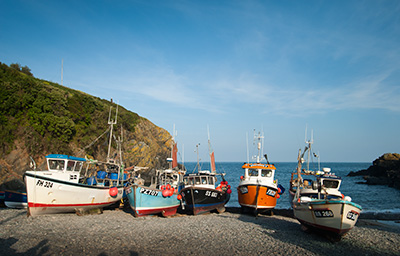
(317, 201)
(64, 187)
(60, 188)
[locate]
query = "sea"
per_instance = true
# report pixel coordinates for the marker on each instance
(372, 198)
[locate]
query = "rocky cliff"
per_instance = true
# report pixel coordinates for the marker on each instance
(384, 170)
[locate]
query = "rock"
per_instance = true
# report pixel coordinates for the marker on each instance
(148, 146)
(384, 170)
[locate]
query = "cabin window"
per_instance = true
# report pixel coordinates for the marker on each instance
(56, 164)
(70, 165)
(189, 181)
(330, 183)
(78, 166)
(253, 172)
(211, 180)
(197, 179)
(204, 180)
(266, 173)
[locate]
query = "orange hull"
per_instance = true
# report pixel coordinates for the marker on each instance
(264, 199)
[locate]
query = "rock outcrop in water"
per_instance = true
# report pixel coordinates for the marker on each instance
(384, 170)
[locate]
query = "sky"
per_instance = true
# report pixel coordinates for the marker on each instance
(277, 67)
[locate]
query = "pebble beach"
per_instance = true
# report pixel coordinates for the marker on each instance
(118, 232)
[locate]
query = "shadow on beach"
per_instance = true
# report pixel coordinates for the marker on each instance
(282, 226)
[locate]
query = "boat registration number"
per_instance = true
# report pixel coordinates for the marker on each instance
(148, 192)
(271, 192)
(323, 213)
(211, 194)
(352, 215)
(45, 184)
(243, 190)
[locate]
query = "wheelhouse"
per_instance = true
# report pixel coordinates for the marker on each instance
(204, 179)
(321, 186)
(172, 177)
(64, 163)
(258, 170)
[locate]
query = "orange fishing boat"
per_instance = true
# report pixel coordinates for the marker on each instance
(258, 190)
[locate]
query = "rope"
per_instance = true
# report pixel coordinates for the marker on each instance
(93, 142)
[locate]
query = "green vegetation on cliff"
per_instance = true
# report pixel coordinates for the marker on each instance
(48, 117)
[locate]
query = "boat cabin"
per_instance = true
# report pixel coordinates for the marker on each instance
(321, 186)
(259, 171)
(169, 176)
(203, 179)
(65, 167)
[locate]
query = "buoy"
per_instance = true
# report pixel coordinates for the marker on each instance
(113, 191)
(229, 191)
(229, 186)
(241, 177)
(165, 193)
(342, 196)
(278, 196)
(163, 187)
(168, 186)
(179, 197)
(279, 190)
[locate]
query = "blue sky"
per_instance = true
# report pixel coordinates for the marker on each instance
(235, 66)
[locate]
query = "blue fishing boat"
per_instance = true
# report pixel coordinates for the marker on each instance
(15, 199)
(2, 194)
(162, 195)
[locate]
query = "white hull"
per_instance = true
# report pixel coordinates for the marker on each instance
(48, 195)
(337, 216)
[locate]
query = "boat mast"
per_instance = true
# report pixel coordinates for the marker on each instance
(211, 152)
(111, 123)
(259, 138)
(198, 160)
(174, 151)
(247, 145)
(121, 171)
(309, 143)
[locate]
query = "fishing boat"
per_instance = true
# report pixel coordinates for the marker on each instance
(2, 194)
(258, 190)
(317, 202)
(15, 199)
(63, 187)
(202, 193)
(13, 194)
(161, 196)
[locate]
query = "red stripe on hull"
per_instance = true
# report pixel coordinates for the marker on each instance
(333, 230)
(34, 205)
(164, 211)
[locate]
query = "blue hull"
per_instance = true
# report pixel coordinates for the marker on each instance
(14, 199)
(149, 201)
